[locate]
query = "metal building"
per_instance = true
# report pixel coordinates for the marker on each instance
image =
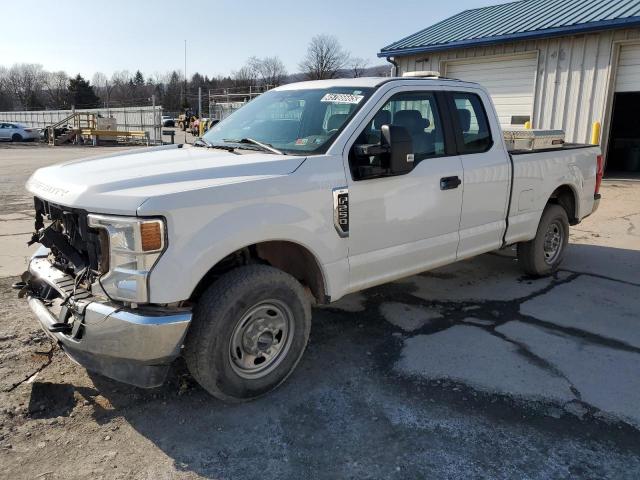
(560, 64)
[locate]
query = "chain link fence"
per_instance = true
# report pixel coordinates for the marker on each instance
(223, 102)
(220, 111)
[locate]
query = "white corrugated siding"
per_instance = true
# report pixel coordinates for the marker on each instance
(628, 74)
(573, 78)
(510, 81)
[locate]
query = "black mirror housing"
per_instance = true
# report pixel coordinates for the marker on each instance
(401, 148)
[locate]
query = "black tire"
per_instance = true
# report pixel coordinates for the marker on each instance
(16, 137)
(222, 311)
(537, 259)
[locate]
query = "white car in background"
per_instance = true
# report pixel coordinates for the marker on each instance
(168, 121)
(17, 132)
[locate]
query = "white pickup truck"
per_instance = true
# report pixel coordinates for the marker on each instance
(216, 251)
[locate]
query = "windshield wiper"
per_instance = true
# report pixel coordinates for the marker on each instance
(201, 142)
(263, 146)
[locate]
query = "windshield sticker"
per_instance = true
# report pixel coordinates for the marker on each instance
(342, 98)
(302, 141)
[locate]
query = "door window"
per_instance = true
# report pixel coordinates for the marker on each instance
(418, 113)
(472, 125)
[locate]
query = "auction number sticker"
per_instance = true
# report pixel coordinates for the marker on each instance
(342, 98)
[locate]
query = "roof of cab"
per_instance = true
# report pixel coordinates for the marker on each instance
(360, 82)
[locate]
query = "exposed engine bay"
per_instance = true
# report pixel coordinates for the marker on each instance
(76, 249)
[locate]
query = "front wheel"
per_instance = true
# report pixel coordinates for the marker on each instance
(248, 333)
(542, 255)
(16, 137)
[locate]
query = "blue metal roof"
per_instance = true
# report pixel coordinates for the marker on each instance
(519, 20)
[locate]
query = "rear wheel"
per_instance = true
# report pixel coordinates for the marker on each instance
(542, 255)
(16, 137)
(248, 332)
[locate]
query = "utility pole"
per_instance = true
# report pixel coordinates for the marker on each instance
(184, 88)
(155, 121)
(106, 88)
(184, 96)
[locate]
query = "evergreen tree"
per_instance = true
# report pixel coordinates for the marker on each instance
(138, 79)
(173, 93)
(82, 93)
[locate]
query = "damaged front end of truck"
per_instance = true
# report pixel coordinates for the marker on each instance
(88, 286)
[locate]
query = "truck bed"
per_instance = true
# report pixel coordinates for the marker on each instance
(538, 173)
(566, 146)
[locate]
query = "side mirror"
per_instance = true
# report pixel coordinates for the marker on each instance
(400, 148)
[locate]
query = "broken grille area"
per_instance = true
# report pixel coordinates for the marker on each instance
(76, 249)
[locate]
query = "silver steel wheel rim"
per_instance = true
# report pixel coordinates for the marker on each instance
(261, 339)
(553, 239)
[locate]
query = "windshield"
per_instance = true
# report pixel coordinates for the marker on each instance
(292, 121)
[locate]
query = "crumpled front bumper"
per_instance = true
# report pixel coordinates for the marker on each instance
(134, 346)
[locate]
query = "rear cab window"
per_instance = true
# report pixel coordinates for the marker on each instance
(470, 123)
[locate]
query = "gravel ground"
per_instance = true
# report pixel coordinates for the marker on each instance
(470, 371)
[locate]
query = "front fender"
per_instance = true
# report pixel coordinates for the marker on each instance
(200, 235)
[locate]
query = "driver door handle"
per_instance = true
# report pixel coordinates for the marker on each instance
(449, 183)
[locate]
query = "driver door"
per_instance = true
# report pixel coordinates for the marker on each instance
(404, 224)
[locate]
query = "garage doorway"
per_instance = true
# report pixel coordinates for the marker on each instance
(623, 147)
(623, 156)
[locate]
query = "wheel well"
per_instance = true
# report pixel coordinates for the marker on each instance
(565, 197)
(289, 257)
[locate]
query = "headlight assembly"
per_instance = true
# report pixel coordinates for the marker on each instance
(135, 244)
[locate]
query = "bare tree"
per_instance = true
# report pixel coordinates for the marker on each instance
(26, 81)
(324, 58)
(56, 86)
(103, 87)
(245, 76)
(358, 66)
(6, 98)
(121, 91)
(269, 70)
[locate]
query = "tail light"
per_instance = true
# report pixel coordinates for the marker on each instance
(599, 172)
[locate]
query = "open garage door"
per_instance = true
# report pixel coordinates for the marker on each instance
(623, 156)
(628, 74)
(509, 80)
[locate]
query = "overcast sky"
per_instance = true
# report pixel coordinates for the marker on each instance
(85, 37)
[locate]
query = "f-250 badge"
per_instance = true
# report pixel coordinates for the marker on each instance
(341, 210)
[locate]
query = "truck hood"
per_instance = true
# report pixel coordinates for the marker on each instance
(121, 182)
